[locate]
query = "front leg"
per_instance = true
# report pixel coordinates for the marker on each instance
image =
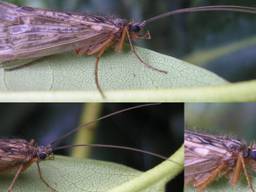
(98, 51)
(240, 166)
(42, 178)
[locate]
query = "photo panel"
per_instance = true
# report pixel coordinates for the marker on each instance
(128, 142)
(220, 150)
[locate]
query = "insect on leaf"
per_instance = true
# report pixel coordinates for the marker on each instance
(29, 33)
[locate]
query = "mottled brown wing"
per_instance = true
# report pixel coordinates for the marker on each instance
(8, 14)
(33, 33)
(204, 153)
(14, 152)
(198, 166)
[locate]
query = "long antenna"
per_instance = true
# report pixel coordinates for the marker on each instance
(101, 118)
(231, 8)
(117, 147)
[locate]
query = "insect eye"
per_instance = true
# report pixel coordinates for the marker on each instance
(135, 28)
(42, 156)
(253, 155)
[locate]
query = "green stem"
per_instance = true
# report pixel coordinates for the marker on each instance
(202, 57)
(231, 92)
(164, 171)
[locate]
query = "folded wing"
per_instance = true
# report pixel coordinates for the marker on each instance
(28, 33)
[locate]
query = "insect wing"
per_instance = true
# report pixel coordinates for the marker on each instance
(196, 166)
(13, 152)
(8, 13)
(41, 32)
(203, 154)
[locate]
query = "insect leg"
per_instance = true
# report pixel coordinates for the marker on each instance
(101, 51)
(137, 55)
(201, 185)
(246, 173)
(120, 44)
(236, 173)
(21, 167)
(42, 178)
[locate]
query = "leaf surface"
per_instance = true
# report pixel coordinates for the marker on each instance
(121, 75)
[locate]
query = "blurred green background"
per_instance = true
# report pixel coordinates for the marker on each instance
(235, 120)
(222, 42)
(157, 129)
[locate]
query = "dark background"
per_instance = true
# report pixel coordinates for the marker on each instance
(157, 128)
(182, 35)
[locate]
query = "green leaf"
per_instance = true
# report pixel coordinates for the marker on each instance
(159, 174)
(69, 77)
(69, 174)
(78, 175)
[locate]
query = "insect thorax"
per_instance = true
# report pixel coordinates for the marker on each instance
(120, 22)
